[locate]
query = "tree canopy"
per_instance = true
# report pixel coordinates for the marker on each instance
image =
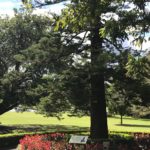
(106, 25)
(17, 71)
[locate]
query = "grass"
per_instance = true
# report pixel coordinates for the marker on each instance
(31, 122)
(129, 125)
(13, 118)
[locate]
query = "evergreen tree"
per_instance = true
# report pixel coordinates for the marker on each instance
(106, 24)
(17, 34)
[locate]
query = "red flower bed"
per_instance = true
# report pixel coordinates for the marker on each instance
(43, 142)
(37, 142)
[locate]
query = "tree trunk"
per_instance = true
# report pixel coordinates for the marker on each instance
(121, 119)
(99, 127)
(7, 107)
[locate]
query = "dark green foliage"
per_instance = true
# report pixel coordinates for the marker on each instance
(56, 101)
(17, 34)
(131, 83)
(10, 141)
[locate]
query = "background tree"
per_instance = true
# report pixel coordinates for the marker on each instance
(118, 102)
(17, 74)
(142, 88)
(134, 86)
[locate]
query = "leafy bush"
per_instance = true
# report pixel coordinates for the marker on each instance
(9, 141)
(121, 136)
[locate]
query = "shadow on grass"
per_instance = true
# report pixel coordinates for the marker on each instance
(133, 125)
(6, 129)
(130, 118)
(40, 128)
(124, 117)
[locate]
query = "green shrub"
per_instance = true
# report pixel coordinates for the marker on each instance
(10, 141)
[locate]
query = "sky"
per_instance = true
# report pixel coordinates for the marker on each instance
(7, 6)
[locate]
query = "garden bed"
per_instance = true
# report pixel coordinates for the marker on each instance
(118, 140)
(59, 141)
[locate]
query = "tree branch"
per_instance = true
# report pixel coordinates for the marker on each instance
(4, 109)
(113, 44)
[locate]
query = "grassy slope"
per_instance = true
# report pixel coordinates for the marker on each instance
(130, 124)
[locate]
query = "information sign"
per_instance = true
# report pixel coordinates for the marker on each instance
(78, 139)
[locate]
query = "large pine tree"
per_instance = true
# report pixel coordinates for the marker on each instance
(106, 25)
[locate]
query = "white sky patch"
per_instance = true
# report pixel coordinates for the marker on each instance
(145, 45)
(108, 16)
(56, 8)
(128, 6)
(41, 11)
(7, 6)
(4, 13)
(51, 9)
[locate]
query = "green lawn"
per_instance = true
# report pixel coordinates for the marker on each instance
(13, 118)
(30, 118)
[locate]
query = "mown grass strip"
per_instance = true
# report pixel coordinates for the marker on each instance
(30, 118)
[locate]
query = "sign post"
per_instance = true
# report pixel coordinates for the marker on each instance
(106, 145)
(78, 139)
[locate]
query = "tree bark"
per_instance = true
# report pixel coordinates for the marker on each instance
(121, 119)
(99, 127)
(7, 107)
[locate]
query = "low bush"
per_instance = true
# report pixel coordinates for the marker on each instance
(121, 136)
(9, 141)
